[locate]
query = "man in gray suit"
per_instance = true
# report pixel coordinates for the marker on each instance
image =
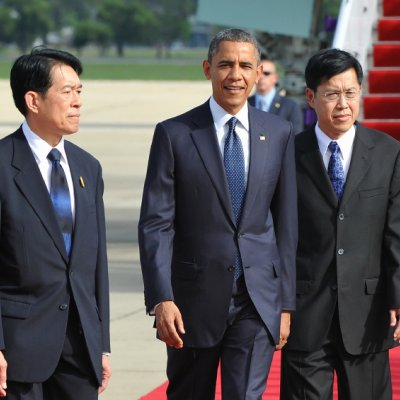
(54, 314)
(348, 257)
(218, 232)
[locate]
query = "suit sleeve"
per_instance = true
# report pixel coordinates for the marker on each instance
(391, 245)
(156, 223)
(284, 212)
(102, 282)
(297, 118)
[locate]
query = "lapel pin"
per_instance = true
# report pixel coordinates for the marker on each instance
(81, 182)
(262, 137)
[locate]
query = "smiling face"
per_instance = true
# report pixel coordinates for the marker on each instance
(57, 112)
(233, 71)
(335, 117)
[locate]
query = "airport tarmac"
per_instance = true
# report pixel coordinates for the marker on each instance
(117, 124)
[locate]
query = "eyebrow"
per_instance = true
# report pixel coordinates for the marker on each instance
(241, 63)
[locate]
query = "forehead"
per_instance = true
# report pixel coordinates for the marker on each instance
(345, 79)
(228, 48)
(268, 66)
(61, 73)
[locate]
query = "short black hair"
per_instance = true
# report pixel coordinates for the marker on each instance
(327, 63)
(33, 72)
(232, 35)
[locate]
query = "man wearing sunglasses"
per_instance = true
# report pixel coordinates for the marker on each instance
(268, 98)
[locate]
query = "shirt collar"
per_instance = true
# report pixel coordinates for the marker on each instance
(221, 117)
(40, 147)
(345, 142)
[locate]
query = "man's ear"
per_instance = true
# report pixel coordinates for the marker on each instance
(32, 101)
(310, 96)
(206, 69)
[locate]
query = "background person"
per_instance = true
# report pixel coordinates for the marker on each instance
(54, 295)
(348, 256)
(217, 244)
(267, 97)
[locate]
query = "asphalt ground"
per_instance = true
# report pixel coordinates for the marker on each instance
(117, 124)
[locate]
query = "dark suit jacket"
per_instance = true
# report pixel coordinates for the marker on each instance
(348, 253)
(287, 109)
(187, 233)
(37, 279)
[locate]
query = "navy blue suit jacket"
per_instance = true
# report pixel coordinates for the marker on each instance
(188, 235)
(37, 278)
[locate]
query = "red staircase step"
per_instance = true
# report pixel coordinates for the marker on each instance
(389, 126)
(389, 29)
(382, 106)
(386, 54)
(384, 80)
(391, 8)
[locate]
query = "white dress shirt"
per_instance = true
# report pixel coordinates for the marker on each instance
(345, 143)
(221, 117)
(40, 150)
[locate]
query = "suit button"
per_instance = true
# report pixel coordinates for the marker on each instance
(340, 252)
(341, 216)
(231, 268)
(63, 307)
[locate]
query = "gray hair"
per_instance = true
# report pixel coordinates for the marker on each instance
(233, 35)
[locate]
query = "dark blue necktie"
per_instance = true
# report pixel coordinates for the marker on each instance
(335, 170)
(235, 173)
(59, 194)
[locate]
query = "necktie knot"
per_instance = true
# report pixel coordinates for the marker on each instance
(334, 147)
(232, 124)
(54, 155)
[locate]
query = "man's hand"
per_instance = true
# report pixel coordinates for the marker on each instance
(3, 375)
(169, 324)
(106, 373)
(285, 329)
(394, 321)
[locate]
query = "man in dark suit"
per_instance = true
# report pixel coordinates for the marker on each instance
(348, 257)
(54, 326)
(268, 98)
(218, 232)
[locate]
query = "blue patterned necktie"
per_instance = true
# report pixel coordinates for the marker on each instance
(235, 173)
(59, 194)
(335, 170)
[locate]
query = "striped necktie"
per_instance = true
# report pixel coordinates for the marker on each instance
(59, 194)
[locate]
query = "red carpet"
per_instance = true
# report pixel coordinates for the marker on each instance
(382, 100)
(272, 391)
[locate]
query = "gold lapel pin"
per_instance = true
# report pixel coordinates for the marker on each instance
(262, 137)
(81, 182)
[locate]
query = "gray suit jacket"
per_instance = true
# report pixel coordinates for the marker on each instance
(348, 253)
(188, 235)
(37, 279)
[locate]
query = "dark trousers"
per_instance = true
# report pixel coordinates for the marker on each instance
(245, 354)
(73, 379)
(309, 375)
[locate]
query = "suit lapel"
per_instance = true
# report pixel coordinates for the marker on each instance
(360, 162)
(205, 140)
(81, 195)
(30, 182)
(309, 157)
(259, 148)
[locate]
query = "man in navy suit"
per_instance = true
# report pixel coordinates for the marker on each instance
(221, 286)
(54, 295)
